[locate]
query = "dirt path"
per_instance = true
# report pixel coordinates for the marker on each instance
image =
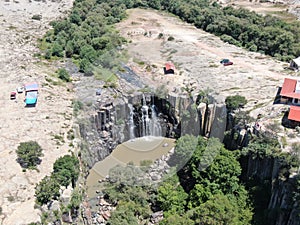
(51, 116)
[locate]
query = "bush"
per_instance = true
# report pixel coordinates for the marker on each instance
(28, 154)
(36, 17)
(77, 106)
(57, 50)
(46, 190)
(230, 40)
(235, 102)
(66, 170)
(171, 38)
(63, 75)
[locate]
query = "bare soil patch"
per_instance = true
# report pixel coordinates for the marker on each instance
(284, 9)
(51, 116)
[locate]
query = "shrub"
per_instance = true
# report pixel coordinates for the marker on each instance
(66, 170)
(36, 17)
(171, 38)
(46, 190)
(230, 40)
(29, 154)
(63, 75)
(77, 106)
(160, 35)
(235, 102)
(57, 50)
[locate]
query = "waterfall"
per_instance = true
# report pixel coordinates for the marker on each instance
(150, 127)
(131, 122)
(145, 121)
(155, 127)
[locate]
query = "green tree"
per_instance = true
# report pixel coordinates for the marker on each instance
(69, 49)
(123, 216)
(218, 210)
(234, 102)
(57, 50)
(47, 190)
(126, 188)
(63, 75)
(172, 197)
(85, 65)
(29, 154)
(88, 52)
(177, 220)
(66, 170)
(185, 147)
(262, 147)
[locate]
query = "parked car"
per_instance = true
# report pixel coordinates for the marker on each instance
(13, 95)
(20, 90)
(226, 62)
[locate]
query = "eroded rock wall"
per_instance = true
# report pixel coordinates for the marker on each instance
(109, 124)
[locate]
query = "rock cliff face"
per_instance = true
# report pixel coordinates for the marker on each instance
(282, 209)
(270, 173)
(145, 114)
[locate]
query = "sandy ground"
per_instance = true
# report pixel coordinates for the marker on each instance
(51, 116)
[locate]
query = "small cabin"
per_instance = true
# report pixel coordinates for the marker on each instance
(169, 68)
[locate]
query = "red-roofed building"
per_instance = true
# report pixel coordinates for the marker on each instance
(290, 91)
(294, 113)
(169, 68)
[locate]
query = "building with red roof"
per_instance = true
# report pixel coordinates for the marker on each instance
(290, 91)
(294, 113)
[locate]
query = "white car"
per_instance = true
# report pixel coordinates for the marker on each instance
(20, 90)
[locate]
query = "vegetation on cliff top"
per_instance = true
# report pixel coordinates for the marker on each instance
(65, 172)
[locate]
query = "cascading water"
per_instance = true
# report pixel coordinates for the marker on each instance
(131, 122)
(146, 122)
(155, 127)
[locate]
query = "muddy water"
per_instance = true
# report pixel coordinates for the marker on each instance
(136, 150)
